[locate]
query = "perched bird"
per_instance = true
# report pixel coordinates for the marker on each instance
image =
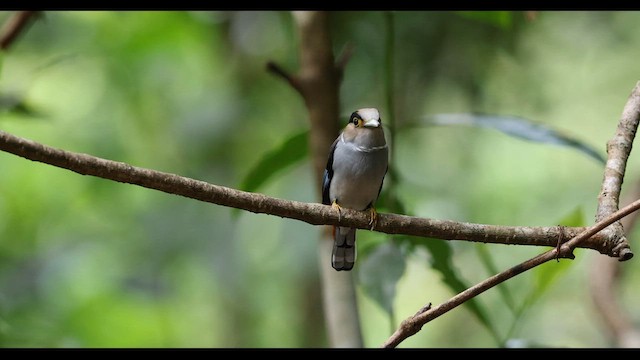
(357, 164)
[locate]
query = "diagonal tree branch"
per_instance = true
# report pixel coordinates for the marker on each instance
(275, 69)
(14, 26)
(618, 150)
(315, 214)
(413, 324)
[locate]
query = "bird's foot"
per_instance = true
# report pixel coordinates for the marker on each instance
(374, 217)
(337, 207)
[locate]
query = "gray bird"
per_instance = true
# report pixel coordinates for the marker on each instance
(357, 164)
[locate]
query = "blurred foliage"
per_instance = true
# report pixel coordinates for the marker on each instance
(502, 19)
(85, 262)
(290, 152)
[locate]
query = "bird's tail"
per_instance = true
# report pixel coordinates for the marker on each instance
(344, 248)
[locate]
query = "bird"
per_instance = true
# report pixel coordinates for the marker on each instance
(356, 167)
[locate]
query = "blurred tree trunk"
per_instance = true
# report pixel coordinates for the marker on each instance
(604, 284)
(319, 84)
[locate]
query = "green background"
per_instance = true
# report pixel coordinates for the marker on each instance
(86, 262)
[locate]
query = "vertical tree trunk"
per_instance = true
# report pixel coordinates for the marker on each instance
(319, 81)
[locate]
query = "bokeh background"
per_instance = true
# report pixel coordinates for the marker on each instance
(86, 262)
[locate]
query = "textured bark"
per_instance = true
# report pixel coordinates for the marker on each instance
(315, 214)
(605, 272)
(618, 150)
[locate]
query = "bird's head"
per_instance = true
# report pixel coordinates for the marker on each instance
(366, 118)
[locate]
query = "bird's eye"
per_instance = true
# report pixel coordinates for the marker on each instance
(356, 121)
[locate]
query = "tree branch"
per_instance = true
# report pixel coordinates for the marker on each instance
(315, 214)
(15, 25)
(343, 59)
(280, 72)
(618, 150)
(413, 324)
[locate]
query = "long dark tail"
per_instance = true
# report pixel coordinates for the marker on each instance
(344, 248)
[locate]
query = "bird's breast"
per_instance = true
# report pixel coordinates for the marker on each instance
(357, 175)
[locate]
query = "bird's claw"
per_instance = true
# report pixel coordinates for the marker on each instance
(374, 217)
(337, 207)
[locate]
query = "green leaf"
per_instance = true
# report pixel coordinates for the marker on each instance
(501, 19)
(517, 127)
(379, 274)
(15, 105)
(291, 151)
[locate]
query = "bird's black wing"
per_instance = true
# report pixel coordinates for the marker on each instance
(382, 182)
(328, 175)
